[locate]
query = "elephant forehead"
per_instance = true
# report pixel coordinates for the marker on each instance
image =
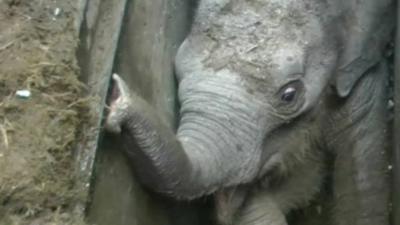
(228, 88)
(223, 95)
(256, 38)
(223, 82)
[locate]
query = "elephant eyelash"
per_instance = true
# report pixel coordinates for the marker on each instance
(290, 107)
(295, 85)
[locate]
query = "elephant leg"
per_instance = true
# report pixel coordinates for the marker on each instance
(261, 209)
(360, 179)
(268, 203)
(228, 203)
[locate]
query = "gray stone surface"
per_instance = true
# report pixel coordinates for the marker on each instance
(151, 34)
(99, 24)
(396, 131)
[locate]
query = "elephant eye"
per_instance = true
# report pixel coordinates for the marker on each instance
(289, 94)
(290, 97)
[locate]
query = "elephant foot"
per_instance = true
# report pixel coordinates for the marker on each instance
(228, 203)
(260, 209)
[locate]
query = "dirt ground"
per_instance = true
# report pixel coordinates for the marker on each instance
(38, 46)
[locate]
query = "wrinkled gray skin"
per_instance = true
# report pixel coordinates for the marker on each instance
(268, 89)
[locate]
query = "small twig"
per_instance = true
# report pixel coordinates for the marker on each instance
(5, 136)
(4, 47)
(8, 125)
(78, 102)
(66, 111)
(251, 48)
(50, 64)
(53, 97)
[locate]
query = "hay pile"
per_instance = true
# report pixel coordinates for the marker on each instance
(38, 133)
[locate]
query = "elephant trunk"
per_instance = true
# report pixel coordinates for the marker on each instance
(218, 142)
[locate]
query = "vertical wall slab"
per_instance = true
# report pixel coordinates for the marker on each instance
(396, 131)
(151, 34)
(99, 23)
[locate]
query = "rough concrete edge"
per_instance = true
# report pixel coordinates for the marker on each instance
(395, 213)
(81, 8)
(94, 18)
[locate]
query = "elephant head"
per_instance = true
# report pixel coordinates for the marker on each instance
(247, 70)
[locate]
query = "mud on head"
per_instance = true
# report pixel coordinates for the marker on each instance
(249, 67)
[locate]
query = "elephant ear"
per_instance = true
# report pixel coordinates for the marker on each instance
(365, 31)
(348, 74)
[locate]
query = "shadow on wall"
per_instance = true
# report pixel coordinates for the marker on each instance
(151, 33)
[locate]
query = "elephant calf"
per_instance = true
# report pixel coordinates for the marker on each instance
(268, 90)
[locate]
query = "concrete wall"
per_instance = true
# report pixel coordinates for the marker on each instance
(396, 130)
(151, 33)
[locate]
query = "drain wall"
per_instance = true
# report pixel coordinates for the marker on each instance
(151, 34)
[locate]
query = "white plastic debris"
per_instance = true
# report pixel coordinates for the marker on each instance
(390, 167)
(57, 11)
(23, 93)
